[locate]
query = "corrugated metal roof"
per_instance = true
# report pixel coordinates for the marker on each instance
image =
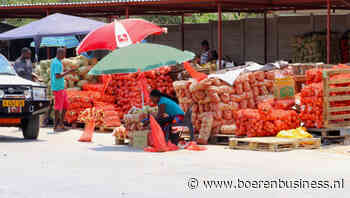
(77, 3)
(165, 7)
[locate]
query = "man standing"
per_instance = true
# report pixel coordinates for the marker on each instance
(24, 65)
(57, 86)
(205, 54)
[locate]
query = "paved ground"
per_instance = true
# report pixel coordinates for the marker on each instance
(57, 166)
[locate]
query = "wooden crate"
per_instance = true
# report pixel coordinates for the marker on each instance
(308, 143)
(139, 139)
(329, 119)
(299, 70)
(271, 144)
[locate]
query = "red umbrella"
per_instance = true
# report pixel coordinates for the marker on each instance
(118, 34)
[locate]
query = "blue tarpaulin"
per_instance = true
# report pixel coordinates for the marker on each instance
(58, 41)
(52, 25)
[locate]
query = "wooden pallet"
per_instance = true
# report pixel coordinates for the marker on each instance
(221, 139)
(308, 143)
(328, 135)
(103, 129)
(270, 144)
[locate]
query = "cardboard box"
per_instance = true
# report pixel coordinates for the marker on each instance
(139, 139)
(284, 88)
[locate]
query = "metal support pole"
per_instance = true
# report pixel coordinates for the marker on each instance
(265, 37)
(183, 32)
(328, 31)
(220, 34)
(127, 12)
(47, 48)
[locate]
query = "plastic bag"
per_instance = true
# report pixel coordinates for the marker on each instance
(225, 97)
(192, 146)
(206, 126)
(294, 133)
(88, 132)
(238, 88)
(193, 73)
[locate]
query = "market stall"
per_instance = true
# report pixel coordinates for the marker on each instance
(65, 25)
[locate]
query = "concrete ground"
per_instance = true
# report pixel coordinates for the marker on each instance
(58, 166)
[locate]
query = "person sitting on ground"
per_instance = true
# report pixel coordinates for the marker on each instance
(169, 112)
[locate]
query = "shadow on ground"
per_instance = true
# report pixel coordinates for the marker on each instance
(9, 139)
(117, 149)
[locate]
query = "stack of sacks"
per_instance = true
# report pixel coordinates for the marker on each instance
(72, 81)
(90, 114)
(99, 88)
(312, 105)
(128, 93)
(110, 115)
(267, 120)
(311, 47)
(312, 97)
(248, 122)
(182, 93)
(93, 87)
(222, 100)
(81, 100)
(78, 102)
(133, 119)
(77, 80)
(43, 70)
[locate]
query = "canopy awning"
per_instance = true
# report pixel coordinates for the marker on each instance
(52, 25)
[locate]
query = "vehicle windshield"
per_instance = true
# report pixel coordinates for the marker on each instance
(6, 67)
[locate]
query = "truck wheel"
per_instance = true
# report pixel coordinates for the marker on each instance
(30, 127)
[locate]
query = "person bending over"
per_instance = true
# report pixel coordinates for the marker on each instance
(169, 112)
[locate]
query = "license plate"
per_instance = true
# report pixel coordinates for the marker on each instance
(13, 103)
(14, 109)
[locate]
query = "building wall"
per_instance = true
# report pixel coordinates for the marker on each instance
(243, 40)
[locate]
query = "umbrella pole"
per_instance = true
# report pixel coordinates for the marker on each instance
(143, 99)
(48, 52)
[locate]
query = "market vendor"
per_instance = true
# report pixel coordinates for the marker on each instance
(57, 86)
(205, 55)
(169, 112)
(23, 65)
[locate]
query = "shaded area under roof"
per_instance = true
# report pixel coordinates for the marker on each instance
(162, 7)
(53, 25)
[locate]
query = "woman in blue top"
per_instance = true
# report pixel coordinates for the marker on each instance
(169, 112)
